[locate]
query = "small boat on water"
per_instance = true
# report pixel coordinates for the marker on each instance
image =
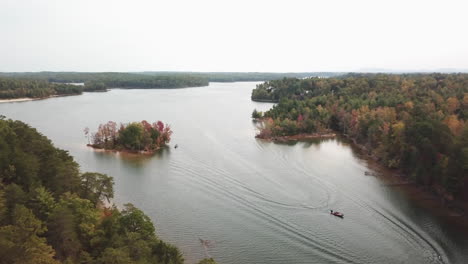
(338, 214)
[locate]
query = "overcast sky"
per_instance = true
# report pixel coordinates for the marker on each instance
(237, 35)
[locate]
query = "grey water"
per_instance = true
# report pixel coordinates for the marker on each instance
(253, 201)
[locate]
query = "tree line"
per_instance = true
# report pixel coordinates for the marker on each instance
(416, 123)
(135, 136)
(247, 76)
(44, 84)
(115, 79)
(18, 88)
(82, 77)
(50, 212)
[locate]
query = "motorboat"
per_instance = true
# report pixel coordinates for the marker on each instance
(337, 214)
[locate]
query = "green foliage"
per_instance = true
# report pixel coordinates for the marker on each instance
(167, 254)
(415, 122)
(50, 213)
(96, 187)
(85, 214)
(63, 235)
(131, 136)
(30, 160)
(3, 208)
(94, 86)
(115, 256)
(257, 114)
(131, 235)
(134, 220)
(42, 203)
(207, 261)
(14, 196)
(20, 241)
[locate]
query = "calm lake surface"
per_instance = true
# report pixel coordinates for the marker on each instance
(255, 201)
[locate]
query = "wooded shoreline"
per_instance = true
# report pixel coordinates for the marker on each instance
(416, 123)
(434, 198)
(298, 137)
(431, 197)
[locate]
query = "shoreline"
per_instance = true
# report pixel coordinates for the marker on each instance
(23, 99)
(432, 197)
(298, 137)
(125, 151)
(27, 99)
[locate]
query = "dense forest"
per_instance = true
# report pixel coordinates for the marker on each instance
(50, 212)
(135, 136)
(416, 123)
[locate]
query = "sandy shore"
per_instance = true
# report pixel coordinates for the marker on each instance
(17, 100)
(25, 99)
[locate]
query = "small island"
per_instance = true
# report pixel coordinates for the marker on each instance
(135, 137)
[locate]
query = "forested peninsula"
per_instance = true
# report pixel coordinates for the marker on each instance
(137, 137)
(18, 88)
(50, 212)
(415, 123)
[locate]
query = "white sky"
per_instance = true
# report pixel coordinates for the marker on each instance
(237, 35)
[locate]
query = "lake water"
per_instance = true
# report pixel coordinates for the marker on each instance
(255, 201)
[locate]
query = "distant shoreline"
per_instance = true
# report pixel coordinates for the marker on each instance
(27, 99)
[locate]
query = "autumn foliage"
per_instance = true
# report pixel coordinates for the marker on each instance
(135, 136)
(415, 123)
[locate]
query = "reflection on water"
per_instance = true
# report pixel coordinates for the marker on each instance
(131, 159)
(258, 201)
